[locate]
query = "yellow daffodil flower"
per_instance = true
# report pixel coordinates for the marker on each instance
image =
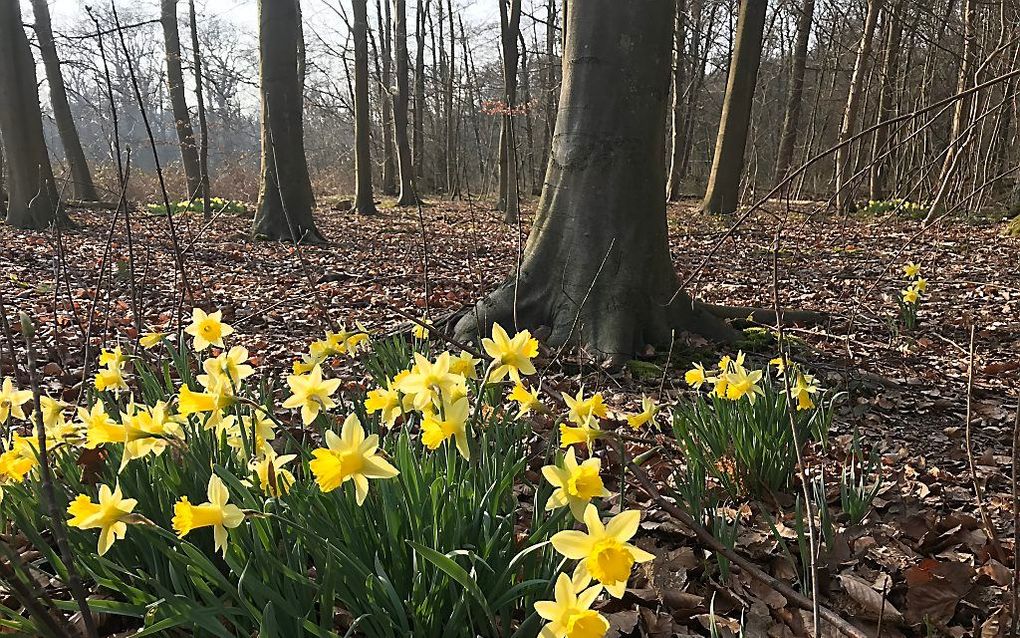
(95, 419)
(582, 435)
(217, 513)
(452, 424)
(152, 339)
(584, 410)
(190, 402)
(207, 329)
(648, 411)
(419, 331)
(274, 479)
(910, 295)
(110, 515)
(11, 400)
(570, 614)
(113, 359)
(260, 424)
(802, 391)
(741, 383)
(576, 484)
(527, 400)
(604, 552)
(921, 284)
(111, 379)
(19, 460)
(311, 393)
(780, 363)
(387, 402)
(911, 269)
(465, 365)
(512, 356)
(696, 376)
(428, 381)
(52, 412)
(350, 457)
(148, 430)
(231, 366)
(307, 363)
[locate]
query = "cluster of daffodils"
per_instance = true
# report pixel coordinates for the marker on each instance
(911, 296)
(735, 382)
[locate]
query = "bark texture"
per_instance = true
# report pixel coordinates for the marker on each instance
(389, 173)
(364, 203)
(676, 152)
(596, 268)
(83, 187)
(178, 103)
(723, 192)
(791, 118)
(33, 201)
(285, 197)
(510, 25)
(405, 171)
(203, 124)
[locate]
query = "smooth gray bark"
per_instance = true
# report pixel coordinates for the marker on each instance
(364, 204)
(597, 269)
(285, 197)
(178, 103)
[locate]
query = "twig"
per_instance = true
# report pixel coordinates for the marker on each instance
(801, 468)
(74, 583)
(986, 520)
(442, 335)
(706, 537)
(1015, 607)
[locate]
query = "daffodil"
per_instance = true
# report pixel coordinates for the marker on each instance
(921, 284)
(911, 269)
(190, 402)
(427, 382)
(910, 295)
(11, 400)
(113, 359)
(604, 552)
(152, 339)
(802, 391)
(94, 418)
(148, 430)
(527, 400)
(465, 365)
(217, 513)
(350, 457)
(741, 383)
(576, 484)
(511, 356)
(258, 425)
(452, 423)
(311, 393)
(570, 614)
(111, 379)
(225, 372)
(110, 515)
(307, 363)
(648, 411)
(387, 402)
(274, 478)
(696, 376)
(584, 410)
(419, 331)
(20, 459)
(781, 364)
(584, 434)
(207, 329)
(52, 412)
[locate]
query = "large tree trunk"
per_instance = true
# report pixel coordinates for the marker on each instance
(791, 119)
(419, 89)
(285, 197)
(364, 203)
(203, 125)
(676, 152)
(84, 189)
(3, 182)
(601, 223)
(389, 175)
(408, 197)
(723, 192)
(844, 193)
(879, 177)
(452, 119)
(510, 21)
(178, 103)
(33, 201)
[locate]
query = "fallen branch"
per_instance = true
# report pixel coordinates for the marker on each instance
(765, 315)
(706, 537)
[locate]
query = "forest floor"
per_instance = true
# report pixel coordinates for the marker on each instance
(922, 548)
